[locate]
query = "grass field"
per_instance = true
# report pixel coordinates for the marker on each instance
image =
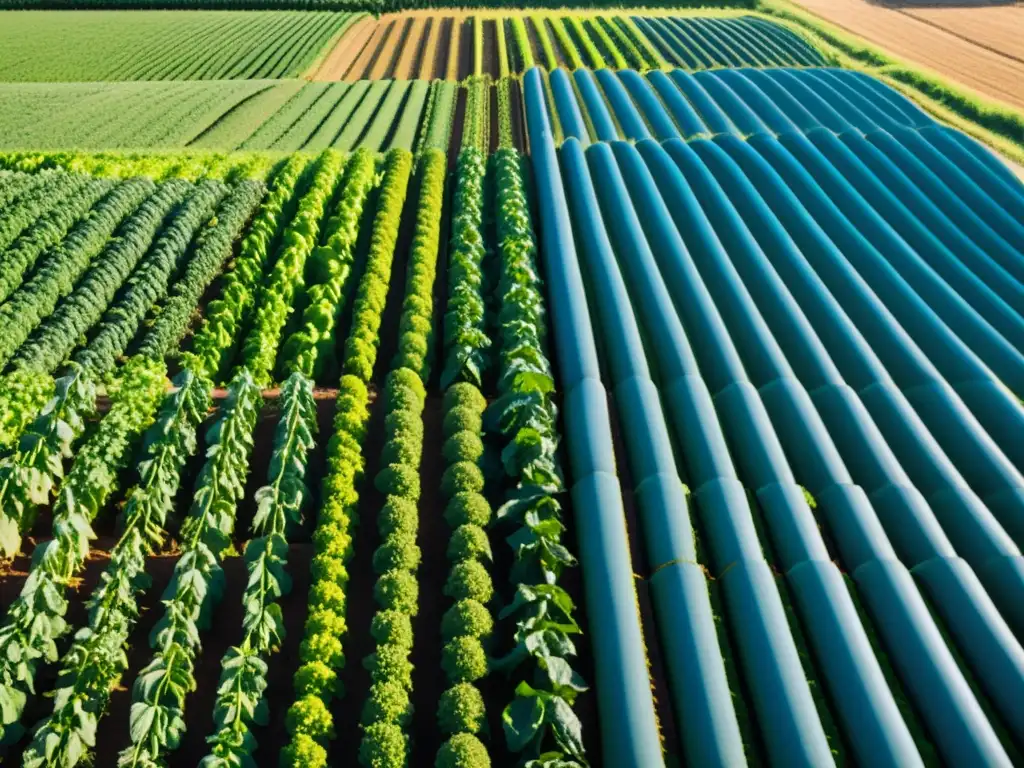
(277, 115)
(178, 45)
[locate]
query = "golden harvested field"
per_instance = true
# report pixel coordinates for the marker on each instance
(999, 27)
(978, 47)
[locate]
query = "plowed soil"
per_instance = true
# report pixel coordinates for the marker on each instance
(432, 59)
(979, 47)
(409, 55)
(366, 59)
(387, 50)
(339, 60)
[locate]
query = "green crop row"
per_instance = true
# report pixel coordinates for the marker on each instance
(75, 198)
(32, 627)
(60, 269)
(213, 247)
(229, 314)
(286, 278)
(539, 720)
(184, 46)
(96, 660)
(468, 623)
(60, 332)
(149, 281)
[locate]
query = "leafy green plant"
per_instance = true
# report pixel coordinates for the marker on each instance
(465, 336)
(59, 270)
(227, 315)
(364, 336)
(311, 347)
(316, 683)
(396, 560)
(539, 721)
(476, 126)
(279, 507)
(149, 281)
(213, 247)
(62, 331)
(29, 475)
(156, 722)
(416, 329)
(22, 395)
(96, 659)
(47, 231)
(35, 621)
(286, 278)
(36, 200)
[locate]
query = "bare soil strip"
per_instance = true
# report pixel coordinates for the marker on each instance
(408, 66)
(953, 55)
(465, 60)
(387, 50)
(364, 61)
(518, 116)
(426, 67)
(491, 48)
(454, 49)
(338, 61)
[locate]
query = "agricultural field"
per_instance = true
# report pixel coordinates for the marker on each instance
(436, 45)
(979, 47)
(279, 115)
(180, 45)
(504, 387)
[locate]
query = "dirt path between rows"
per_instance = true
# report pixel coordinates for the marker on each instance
(490, 57)
(466, 40)
(454, 45)
(976, 64)
(428, 68)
